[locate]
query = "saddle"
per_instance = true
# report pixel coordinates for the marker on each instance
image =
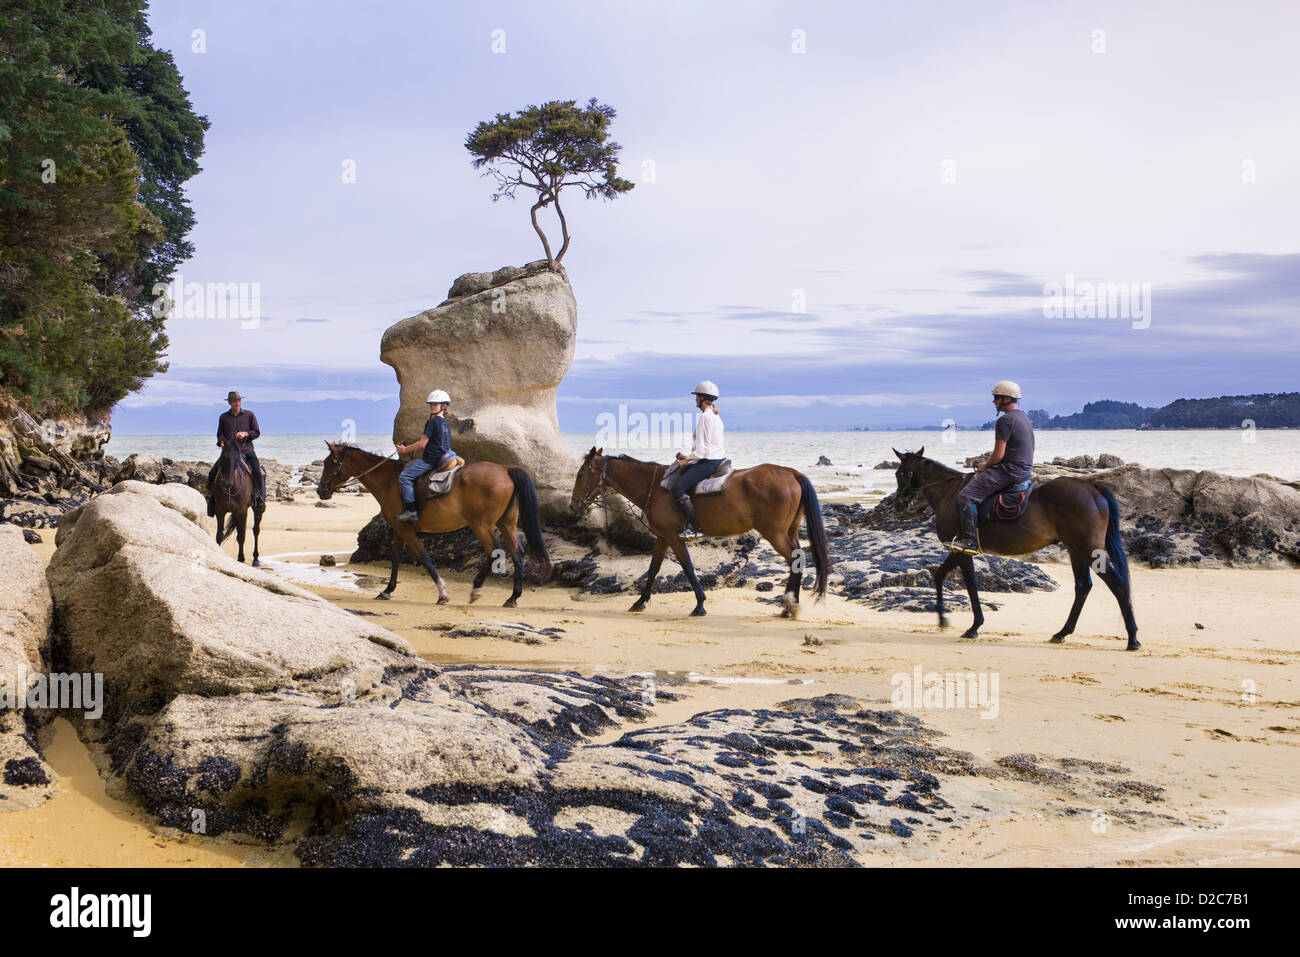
(438, 483)
(714, 483)
(1006, 505)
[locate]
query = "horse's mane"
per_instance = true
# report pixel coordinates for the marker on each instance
(945, 469)
(627, 458)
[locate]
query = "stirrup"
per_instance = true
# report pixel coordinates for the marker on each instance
(961, 548)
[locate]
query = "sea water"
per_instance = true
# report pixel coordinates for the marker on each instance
(853, 455)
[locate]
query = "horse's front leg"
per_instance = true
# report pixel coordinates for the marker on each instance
(656, 560)
(221, 526)
(387, 593)
(684, 557)
(967, 563)
(412, 541)
(241, 531)
(257, 527)
(940, 574)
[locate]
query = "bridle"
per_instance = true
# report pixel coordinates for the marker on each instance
(602, 484)
(338, 461)
(911, 489)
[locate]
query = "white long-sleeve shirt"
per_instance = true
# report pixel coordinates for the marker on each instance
(708, 437)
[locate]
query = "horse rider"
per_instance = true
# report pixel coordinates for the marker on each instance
(239, 423)
(436, 444)
(1009, 463)
(706, 455)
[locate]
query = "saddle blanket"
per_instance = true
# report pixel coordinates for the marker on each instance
(1006, 505)
(714, 483)
(433, 484)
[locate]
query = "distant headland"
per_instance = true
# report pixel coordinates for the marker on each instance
(1267, 410)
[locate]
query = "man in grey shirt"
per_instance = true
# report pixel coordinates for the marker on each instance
(1009, 463)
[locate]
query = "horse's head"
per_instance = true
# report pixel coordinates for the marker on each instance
(908, 482)
(591, 476)
(331, 473)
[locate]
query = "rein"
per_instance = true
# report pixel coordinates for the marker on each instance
(357, 478)
(925, 485)
(602, 483)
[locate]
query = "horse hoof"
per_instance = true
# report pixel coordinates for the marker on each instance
(474, 596)
(511, 603)
(699, 612)
(1133, 645)
(384, 596)
(256, 563)
(971, 633)
(443, 599)
(1057, 639)
(638, 606)
(943, 622)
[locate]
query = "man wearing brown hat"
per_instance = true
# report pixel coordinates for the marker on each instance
(239, 424)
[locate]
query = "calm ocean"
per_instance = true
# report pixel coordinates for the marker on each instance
(852, 453)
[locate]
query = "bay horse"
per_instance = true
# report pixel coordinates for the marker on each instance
(483, 495)
(1078, 514)
(232, 493)
(769, 499)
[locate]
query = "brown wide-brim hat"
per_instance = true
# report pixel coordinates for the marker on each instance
(234, 396)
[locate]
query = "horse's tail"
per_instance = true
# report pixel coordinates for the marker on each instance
(1117, 559)
(530, 519)
(812, 514)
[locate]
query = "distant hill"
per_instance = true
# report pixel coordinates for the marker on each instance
(1103, 414)
(1270, 410)
(1280, 410)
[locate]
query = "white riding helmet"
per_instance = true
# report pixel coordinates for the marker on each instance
(706, 388)
(437, 395)
(1007, 387)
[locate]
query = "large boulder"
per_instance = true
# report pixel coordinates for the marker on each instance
(500, 344)
(1184, 517)
(148, 599)
(25, 615)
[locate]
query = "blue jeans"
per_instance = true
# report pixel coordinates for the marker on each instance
(406, 481)
(693, 475)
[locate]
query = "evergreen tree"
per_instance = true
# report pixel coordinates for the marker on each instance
(96, 139)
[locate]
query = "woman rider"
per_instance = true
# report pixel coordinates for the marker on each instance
(706, 455)
(437, 446)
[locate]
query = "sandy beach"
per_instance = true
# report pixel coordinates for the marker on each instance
(1182, 753)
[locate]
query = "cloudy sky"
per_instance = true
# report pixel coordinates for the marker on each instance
(856, 234)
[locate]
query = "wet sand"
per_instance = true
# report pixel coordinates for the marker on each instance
(1205, 719)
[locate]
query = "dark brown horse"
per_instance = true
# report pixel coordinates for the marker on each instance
(232, 493)
(1080, 515)
(482, 496)
(770, 499)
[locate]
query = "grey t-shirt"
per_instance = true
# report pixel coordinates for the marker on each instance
(1015, 427)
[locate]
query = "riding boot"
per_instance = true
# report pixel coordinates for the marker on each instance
(966, 540)
(411, 514)
(687, 509)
